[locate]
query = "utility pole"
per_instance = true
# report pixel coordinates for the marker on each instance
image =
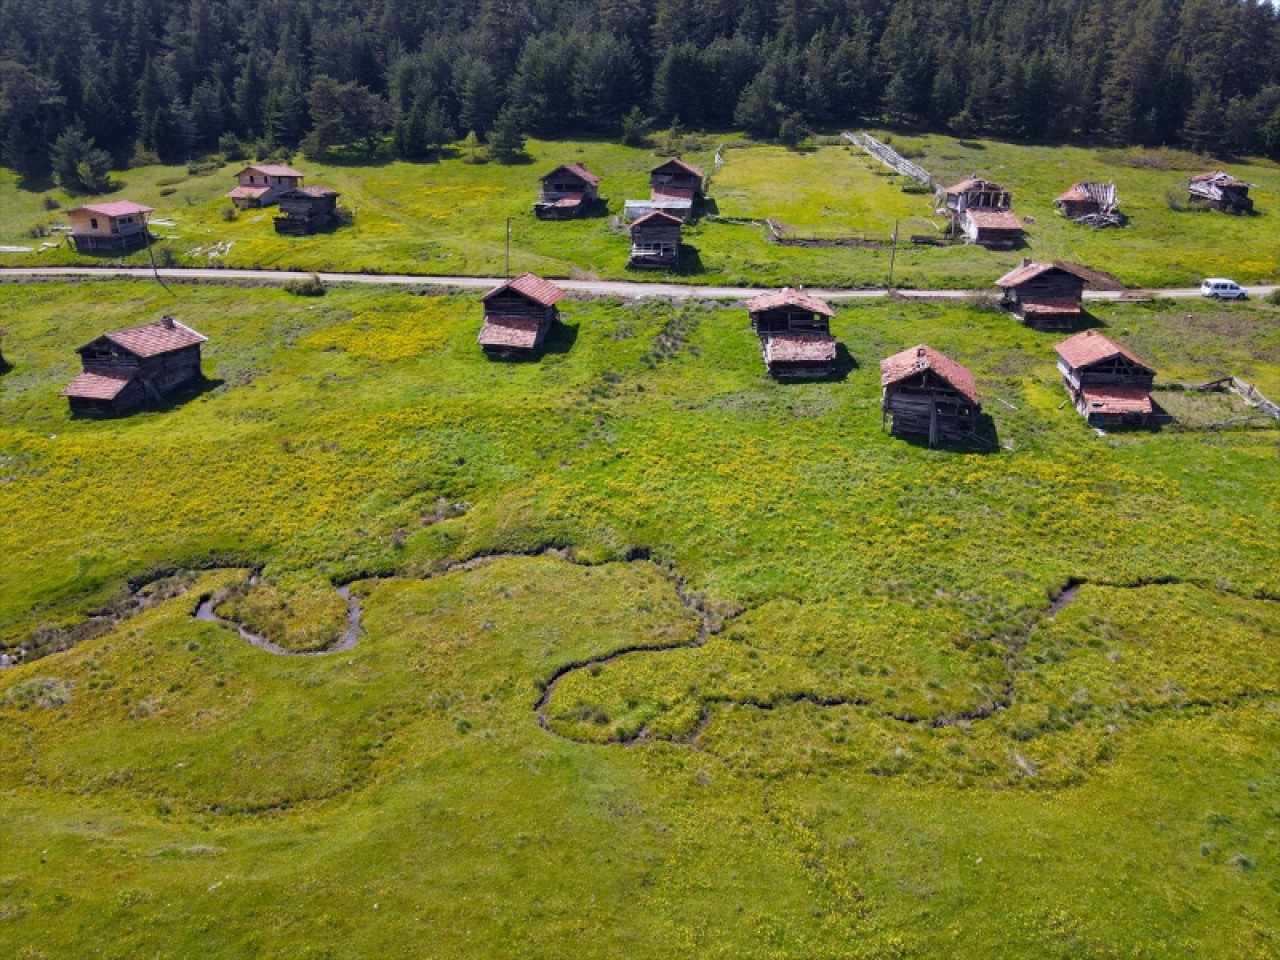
(508, 248)
(892, 257)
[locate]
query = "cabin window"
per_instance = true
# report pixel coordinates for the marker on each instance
(93, 223)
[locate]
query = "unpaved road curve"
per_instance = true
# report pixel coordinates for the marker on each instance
(610, 288)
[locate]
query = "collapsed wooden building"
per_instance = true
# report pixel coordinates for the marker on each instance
(794, 328)
(567, 191)
(119, 225)
(674, 185)
(979, 209)
(1109, 386)
(125, 369)
(1044, 296)
(1091, 203)
(927, 394)
(518, 315)
(655, 242)
(260, 185)
(1220, 191)
(306, 209)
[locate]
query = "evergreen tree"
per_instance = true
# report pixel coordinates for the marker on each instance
(506, 142)
(78, 166)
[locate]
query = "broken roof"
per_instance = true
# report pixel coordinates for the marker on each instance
(918, 359)
(1219, 178)
(973, 183)
(314, 192)
(1090, 347)
(153, 339)
(786, 297)
(117, 208)
(578, 170)
(98, 386)
(542, 292)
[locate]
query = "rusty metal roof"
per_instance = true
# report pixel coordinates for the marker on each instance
(98, 386)
(1090, 347)
(914, 360)
(786, 297)
(1117, 400)
(994, 219)
(543, 292)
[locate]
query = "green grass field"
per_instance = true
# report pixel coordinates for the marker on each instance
(743, 675)
(449, 217)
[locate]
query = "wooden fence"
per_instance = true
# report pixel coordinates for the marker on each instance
(890, 157)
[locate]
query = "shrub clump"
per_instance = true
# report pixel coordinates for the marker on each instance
(311, 286)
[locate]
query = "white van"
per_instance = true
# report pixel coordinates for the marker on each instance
(1220, 289)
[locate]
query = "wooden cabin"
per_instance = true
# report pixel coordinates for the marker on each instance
(518, 314)
(119, 225)
(980, 210)
(125, 369)
(794, 328)
(1045, 296)
(567, 191)
(260, 185)
(1220, 191)
(306, 209)
(1090, 202)
(1109, 386)
(655, 242)
(927, 394)
(673, 187)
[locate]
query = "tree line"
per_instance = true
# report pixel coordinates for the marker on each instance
(85, 84)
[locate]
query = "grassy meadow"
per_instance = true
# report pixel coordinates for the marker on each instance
(659, 657)
(448, 217)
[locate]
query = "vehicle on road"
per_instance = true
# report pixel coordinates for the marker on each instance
(1219, 288)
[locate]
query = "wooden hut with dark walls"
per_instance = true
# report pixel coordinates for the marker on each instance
(119, 225)
(306, 209)
(261, 184)
(125, 369)
(655, 242)
(794, 328)
(1109, 386)
(567, 191)
(674, 185)
(518, 315)
(927, 394)
(1045, 296)
(1220, 191)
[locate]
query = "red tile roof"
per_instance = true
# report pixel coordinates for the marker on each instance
(271, 170)
(908, 363)
(570, 200)
(1089, 347)
(655, 215)
(799, 347)
(98, 386)
(994, 219)
(518, 332)
(676, 161)
(786, 297)
(117, 208)
(577, 170)
(153, 339)
(251, 190)
(542, 292)
(1117, 400)
(1029, 271)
